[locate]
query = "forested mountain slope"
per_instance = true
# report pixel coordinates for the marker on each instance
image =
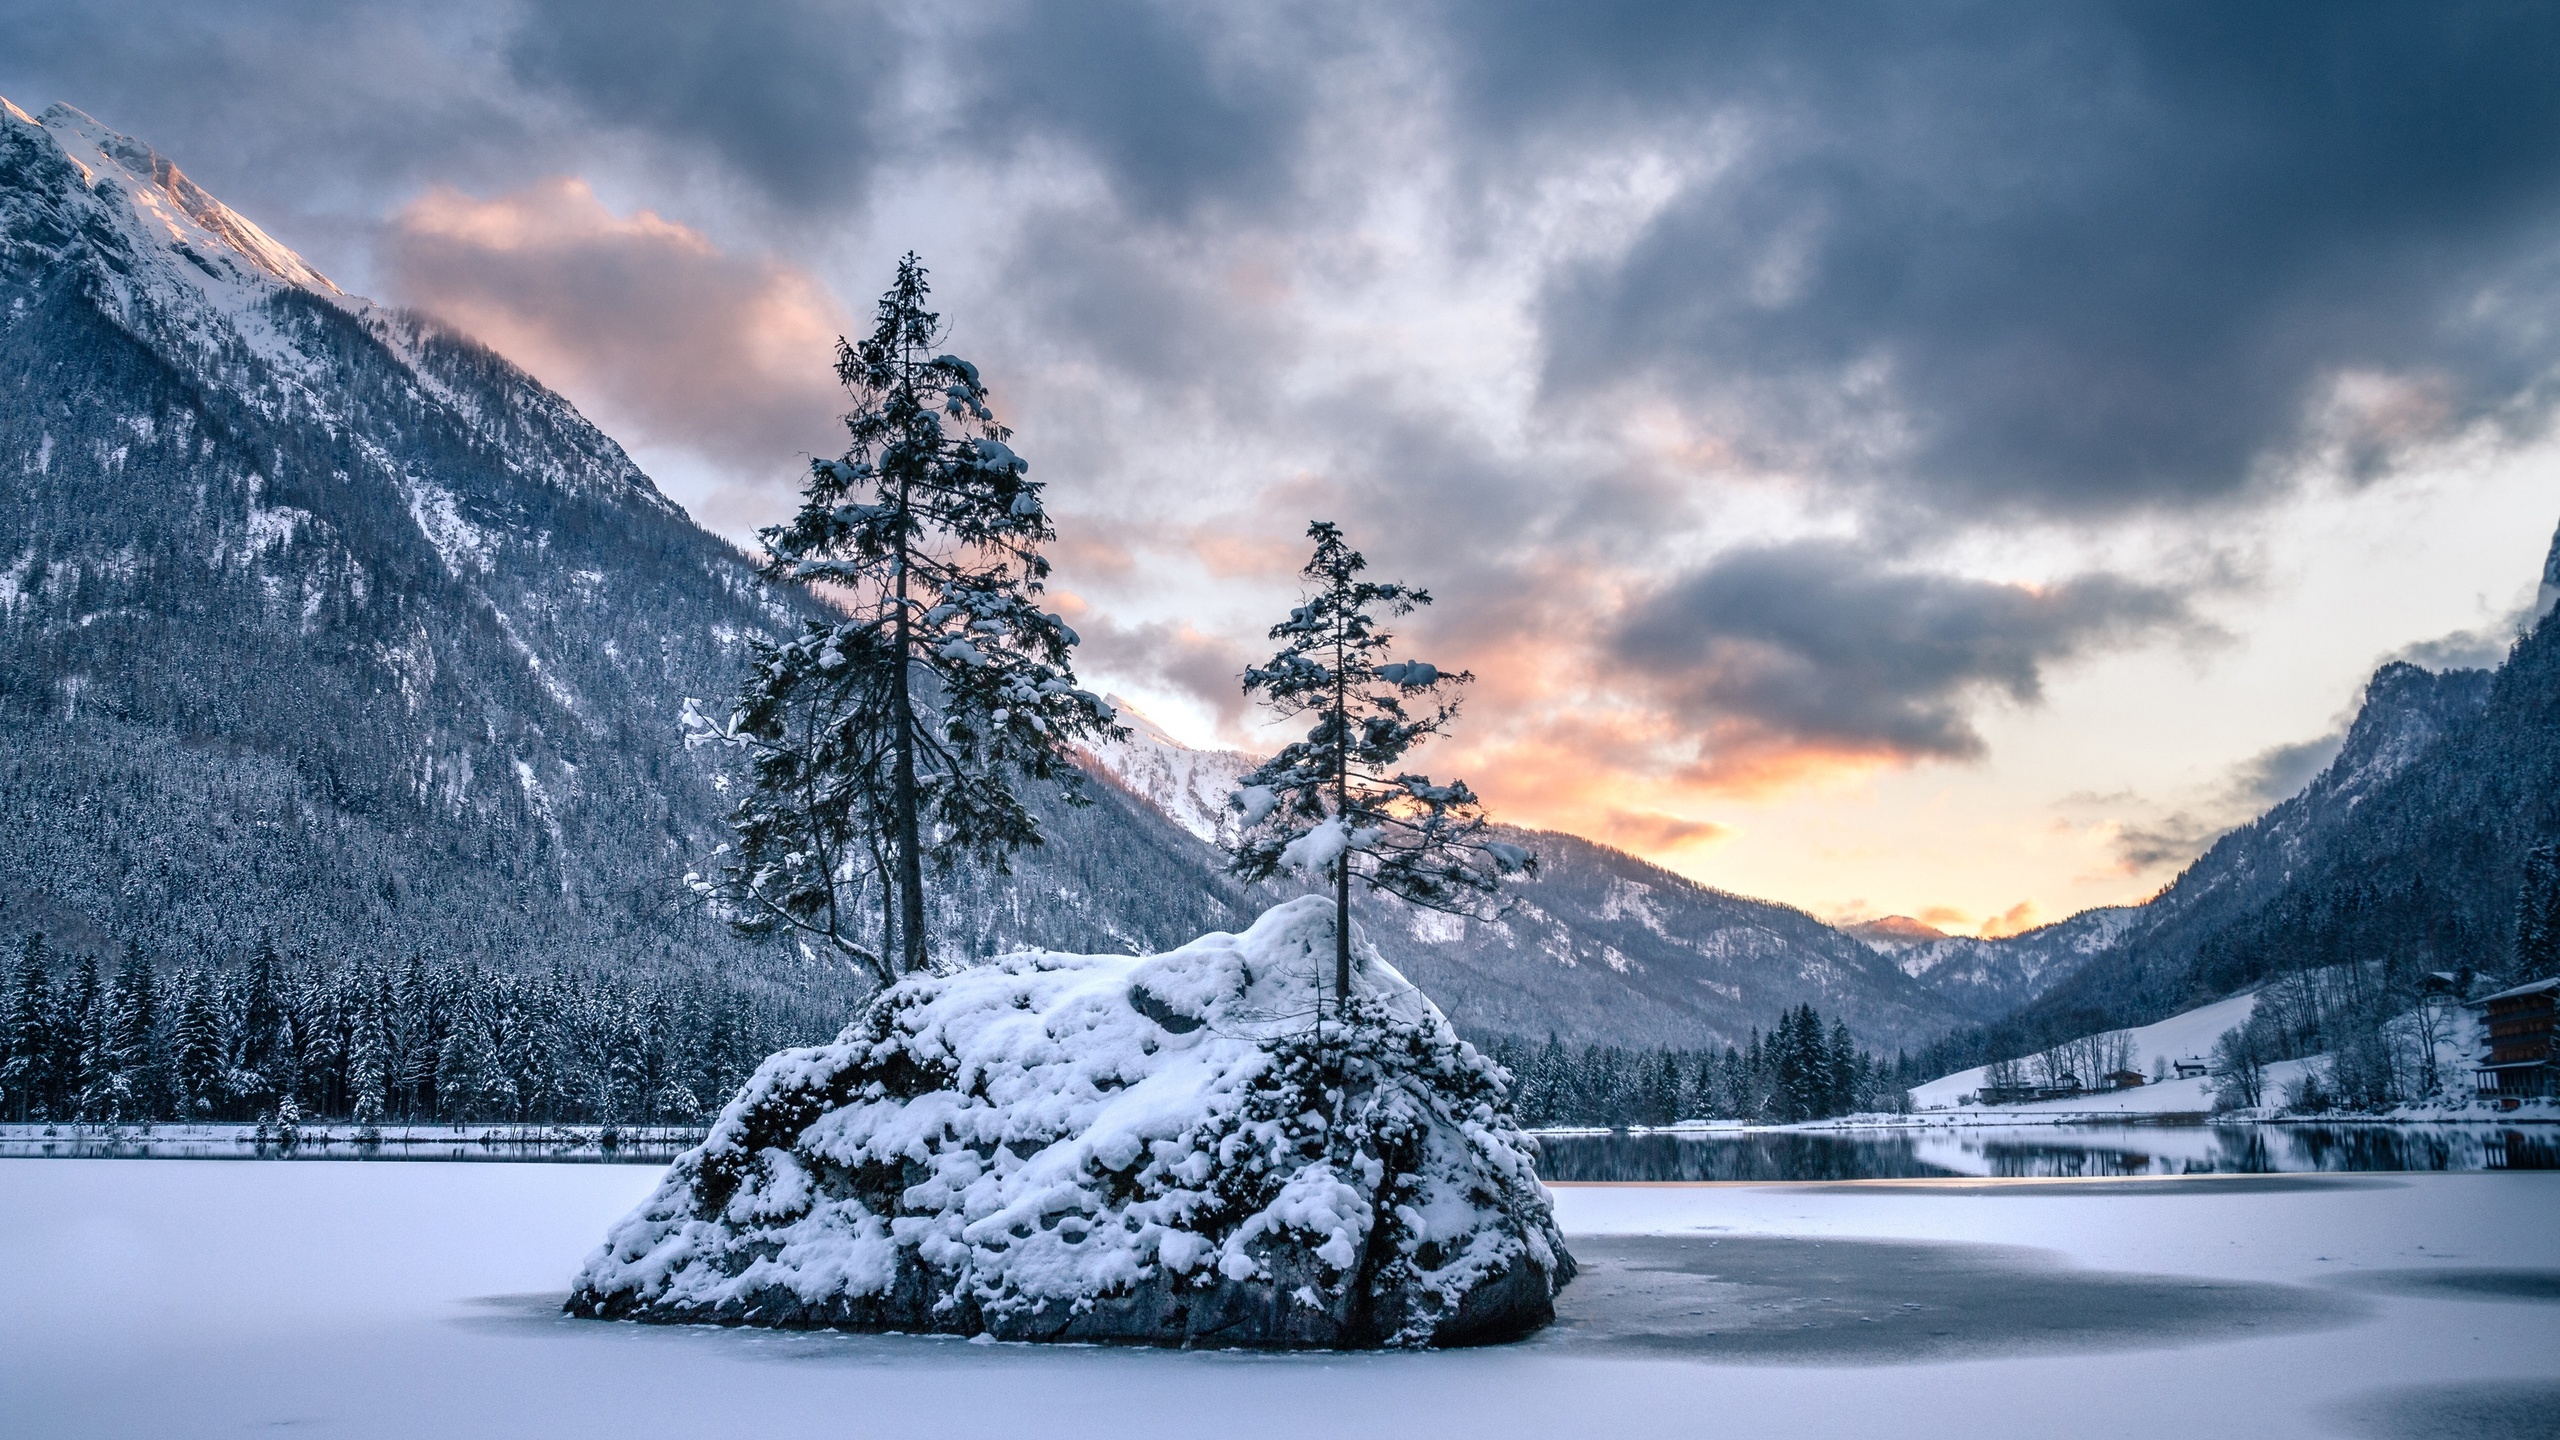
(2408, 851)
(321, 623)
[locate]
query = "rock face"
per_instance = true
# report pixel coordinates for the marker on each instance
(1153, 1150)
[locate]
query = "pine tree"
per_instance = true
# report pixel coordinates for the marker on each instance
(368, 1060)
(197, 1047)
(2538, 911)
(412, 1024)
(29, 1082)
(1541, 1095)
(466, 1071)
(133, 1029)
(1842, 1056)
(81, 1047)
(260, 1061)
(1662, 1100)
(1335, 803)
(896, 736)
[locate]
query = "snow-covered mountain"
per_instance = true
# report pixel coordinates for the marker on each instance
(2408, 850)
(1988, 978)
(1600, 946)
(320, 622)
(1893, 934)
(1190, 786)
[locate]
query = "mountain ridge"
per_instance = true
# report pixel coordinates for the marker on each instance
(2407, 850)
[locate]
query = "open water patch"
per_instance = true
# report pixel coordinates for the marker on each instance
(1763, 1300)
(2463, 1410)
(2456, 1283)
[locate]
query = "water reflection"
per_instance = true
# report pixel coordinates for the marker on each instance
(2042, 1152)
(552, 1144)
(2021, 1152)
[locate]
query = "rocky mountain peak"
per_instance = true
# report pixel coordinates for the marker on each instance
(199, 222)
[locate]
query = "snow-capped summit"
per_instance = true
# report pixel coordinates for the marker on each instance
(1190, 786)
(1890, 934)
(176, 214)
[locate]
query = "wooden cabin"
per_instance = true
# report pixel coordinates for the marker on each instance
(2520, 1022)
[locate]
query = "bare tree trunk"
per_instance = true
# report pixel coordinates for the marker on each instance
(903, 801)
(1342, 930)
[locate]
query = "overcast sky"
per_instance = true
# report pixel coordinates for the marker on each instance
(1944, 459)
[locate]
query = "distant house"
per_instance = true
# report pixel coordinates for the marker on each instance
(2123, 1079)
(2192, 1068)
(2520, 1022)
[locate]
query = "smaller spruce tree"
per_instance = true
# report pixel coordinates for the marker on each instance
(1338, 803)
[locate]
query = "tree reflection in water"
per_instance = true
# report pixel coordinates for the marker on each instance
(2055, 1152)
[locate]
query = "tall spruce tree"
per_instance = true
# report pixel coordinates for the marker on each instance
(2538, 909)
(197, 1047)
(1336, 803)
(81, 1055)
(262, 1041)
(28, 1073)
(896, 737)
(133, 1025)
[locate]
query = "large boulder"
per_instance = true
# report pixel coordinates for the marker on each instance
(1161, 1150)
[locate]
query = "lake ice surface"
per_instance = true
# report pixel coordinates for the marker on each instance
(176, 1298)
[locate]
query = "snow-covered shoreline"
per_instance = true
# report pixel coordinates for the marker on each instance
(217, 1299)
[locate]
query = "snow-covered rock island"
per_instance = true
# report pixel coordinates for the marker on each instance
(1157, 1150)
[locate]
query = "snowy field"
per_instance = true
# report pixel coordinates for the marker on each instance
(2187, 1036)
(169, 1298)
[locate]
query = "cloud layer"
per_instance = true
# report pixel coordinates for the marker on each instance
(1768, 393)
(1823, 648)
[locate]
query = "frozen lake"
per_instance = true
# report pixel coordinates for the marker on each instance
(158, 1298)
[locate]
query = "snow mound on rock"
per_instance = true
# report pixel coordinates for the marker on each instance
(1107, 1147)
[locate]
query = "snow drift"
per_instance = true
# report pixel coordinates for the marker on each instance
(1155, 1150)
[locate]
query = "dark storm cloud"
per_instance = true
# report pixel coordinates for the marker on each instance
(2083, 258)
(1113, 301)
(1163, 98)
(799, 97)
(1818, 647)
(285, 109)
(2280, 771)
(805, 98)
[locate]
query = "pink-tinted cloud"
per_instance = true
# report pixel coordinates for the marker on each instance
(1651, 832)
(645, 323)
(2017, 919)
